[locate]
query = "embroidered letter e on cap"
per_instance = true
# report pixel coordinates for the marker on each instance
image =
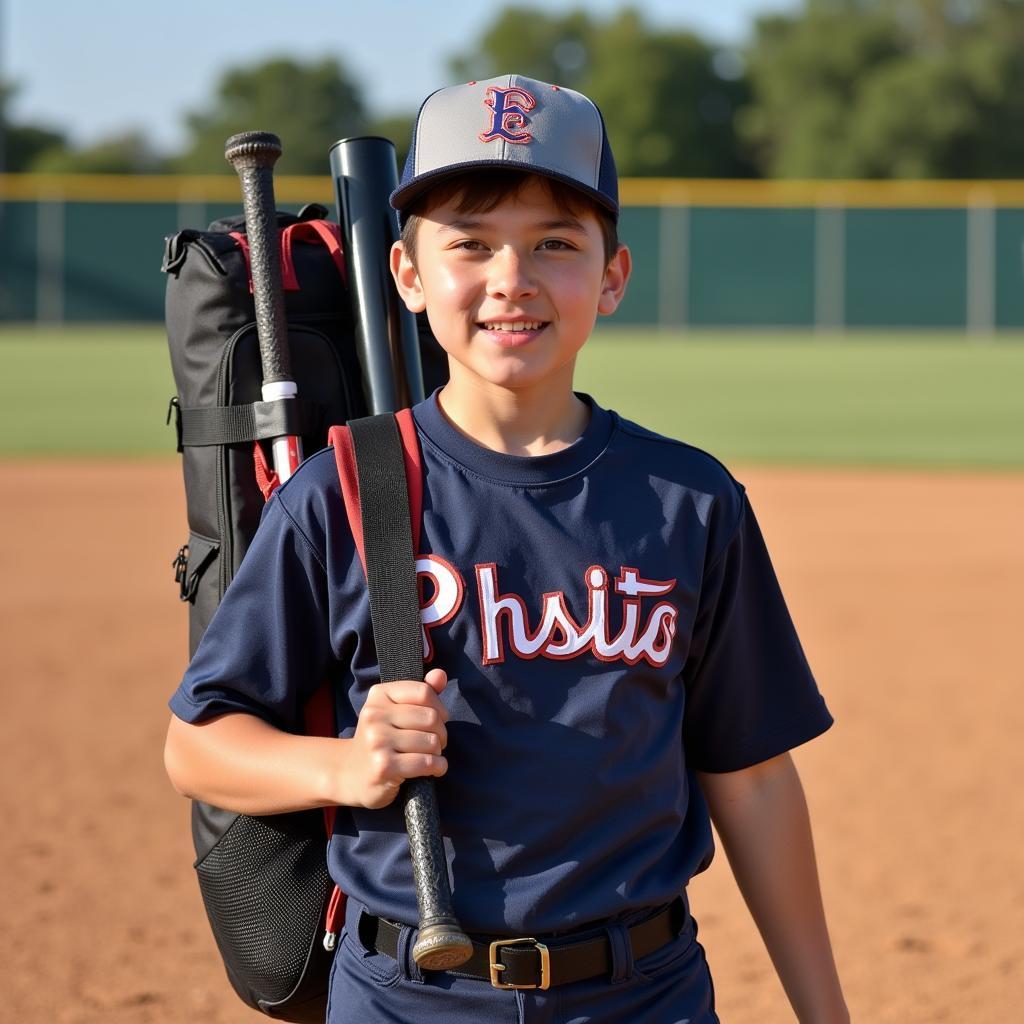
(511, 123)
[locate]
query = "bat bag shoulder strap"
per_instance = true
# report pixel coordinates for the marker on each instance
(382, 485)
(381, 477)
(378, 460)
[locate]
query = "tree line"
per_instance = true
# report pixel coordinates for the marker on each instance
(836, 88)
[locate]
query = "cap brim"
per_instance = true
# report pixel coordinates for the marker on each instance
(405, 195)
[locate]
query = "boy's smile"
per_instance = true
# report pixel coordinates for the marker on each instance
(512, 293)
(512, 332)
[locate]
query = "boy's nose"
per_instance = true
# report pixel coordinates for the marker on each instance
(510, 276)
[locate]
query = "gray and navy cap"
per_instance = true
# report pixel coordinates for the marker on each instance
(511, 123)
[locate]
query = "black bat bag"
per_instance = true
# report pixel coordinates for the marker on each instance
(264, 880)
(218, 411)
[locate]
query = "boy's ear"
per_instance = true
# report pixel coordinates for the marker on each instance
(407, 279)
(616, 277)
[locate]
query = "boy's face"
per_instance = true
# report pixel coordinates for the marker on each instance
(511, 294)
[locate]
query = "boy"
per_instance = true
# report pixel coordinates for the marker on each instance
(609, 652)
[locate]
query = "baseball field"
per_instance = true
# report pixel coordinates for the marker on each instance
(888, 475)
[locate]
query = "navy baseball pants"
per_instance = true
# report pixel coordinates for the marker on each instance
(672, 985)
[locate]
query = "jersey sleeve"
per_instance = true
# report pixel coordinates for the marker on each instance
(750, 693)
(267, 647)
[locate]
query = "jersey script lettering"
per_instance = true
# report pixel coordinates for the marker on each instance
(644, 634)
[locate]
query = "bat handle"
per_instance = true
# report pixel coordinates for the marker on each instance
(253, 155)
(441, 944)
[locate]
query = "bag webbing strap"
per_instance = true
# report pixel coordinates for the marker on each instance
(320, 231)
(388, 546)
(235, 424)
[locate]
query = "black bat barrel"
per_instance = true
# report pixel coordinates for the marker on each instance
(365, 174)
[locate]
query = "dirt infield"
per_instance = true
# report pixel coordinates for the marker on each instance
(908, 590)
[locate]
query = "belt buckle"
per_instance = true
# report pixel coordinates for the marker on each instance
(497, 967)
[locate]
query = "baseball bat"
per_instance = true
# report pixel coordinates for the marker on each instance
(253, 155)
(365, 174)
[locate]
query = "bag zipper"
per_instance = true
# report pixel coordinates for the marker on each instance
(226, 547)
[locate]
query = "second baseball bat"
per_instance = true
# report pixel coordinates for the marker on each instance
(364, 175)
(253, 155)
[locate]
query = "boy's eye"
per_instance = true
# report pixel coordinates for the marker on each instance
(469, 244)
(554, 244)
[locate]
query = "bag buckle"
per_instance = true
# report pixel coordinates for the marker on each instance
(497, 966)
(180, 567)
(174, 409)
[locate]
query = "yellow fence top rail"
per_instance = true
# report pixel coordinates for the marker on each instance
(155, 188)
(780, 192)
(215, 188)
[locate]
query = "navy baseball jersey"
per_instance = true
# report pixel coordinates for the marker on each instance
(610, 623)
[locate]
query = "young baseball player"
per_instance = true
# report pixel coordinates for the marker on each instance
(611, 662)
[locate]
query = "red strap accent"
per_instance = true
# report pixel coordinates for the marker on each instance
(319, 717)
(266, 477)
(335, 910)
(243, 244)
(413, 471)
(319, 713)
(340, 440)
(316, 231)
(289, 281)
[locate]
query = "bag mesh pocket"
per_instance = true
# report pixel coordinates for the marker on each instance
(265, 886)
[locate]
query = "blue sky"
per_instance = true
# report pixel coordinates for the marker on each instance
(99, 67)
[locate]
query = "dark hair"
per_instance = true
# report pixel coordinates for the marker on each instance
(480, 191)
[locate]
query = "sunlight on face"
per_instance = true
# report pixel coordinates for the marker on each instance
(512, 294)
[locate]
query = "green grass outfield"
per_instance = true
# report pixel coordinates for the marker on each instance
(785, 397)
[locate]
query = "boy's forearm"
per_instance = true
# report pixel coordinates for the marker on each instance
(241, 763)
(761, 816)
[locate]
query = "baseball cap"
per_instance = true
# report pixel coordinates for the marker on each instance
(512, 123)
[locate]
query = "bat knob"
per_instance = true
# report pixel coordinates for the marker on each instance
(252, 149)
(441, 947)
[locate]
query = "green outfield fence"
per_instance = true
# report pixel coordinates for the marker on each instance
(809, 254)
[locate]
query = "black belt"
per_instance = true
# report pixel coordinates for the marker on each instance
(533, 963)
